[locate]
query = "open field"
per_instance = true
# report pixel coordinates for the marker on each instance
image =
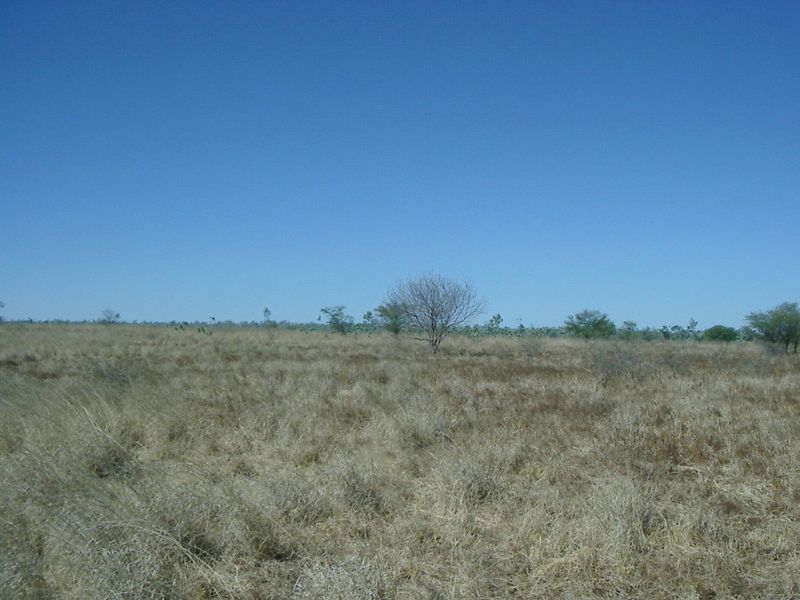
(149, 462)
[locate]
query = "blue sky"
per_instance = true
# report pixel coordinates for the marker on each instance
(182, 160)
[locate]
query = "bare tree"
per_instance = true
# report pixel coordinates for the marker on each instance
(109, 316)
(435, 304)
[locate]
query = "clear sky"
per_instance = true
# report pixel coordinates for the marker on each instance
(182, 160)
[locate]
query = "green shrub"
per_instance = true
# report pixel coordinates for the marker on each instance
(779, 326)
(720, 333)
(590, 324)
(337, 320)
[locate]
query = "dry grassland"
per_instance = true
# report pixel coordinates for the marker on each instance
(145, 462)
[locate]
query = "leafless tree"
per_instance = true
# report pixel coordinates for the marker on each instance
(434, 304)
(109, 316)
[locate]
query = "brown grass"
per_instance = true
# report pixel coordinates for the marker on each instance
(145, 462)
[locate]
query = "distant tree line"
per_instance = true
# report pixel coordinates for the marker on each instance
(434, 306)
(431, 306)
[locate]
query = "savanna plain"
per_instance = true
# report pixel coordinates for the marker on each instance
(142, 461)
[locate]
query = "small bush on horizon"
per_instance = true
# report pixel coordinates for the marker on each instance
(628, 330)
(337, 320)
(590, 324)
(720, 333)
(268, 322)
(392, 317)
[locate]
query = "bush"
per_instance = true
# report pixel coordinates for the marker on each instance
(392, 317)
(590, 324)
(337, 320)
(720, 333)
(779, 326)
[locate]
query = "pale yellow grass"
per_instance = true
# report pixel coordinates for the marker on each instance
(149, 462)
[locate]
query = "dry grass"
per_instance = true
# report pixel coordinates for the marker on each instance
(145, 462)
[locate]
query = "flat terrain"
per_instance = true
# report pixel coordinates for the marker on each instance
(152, 462)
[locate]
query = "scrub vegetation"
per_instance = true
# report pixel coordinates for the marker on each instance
(140, 461)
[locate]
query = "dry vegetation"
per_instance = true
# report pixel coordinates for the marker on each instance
(145, 462)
